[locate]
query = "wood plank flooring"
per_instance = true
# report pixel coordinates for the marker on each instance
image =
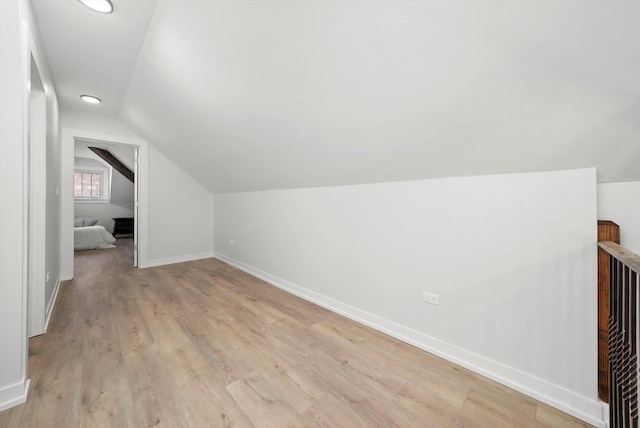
(202, 344)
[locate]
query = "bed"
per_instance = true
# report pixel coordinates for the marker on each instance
(94, 237)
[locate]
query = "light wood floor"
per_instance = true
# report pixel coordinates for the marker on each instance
(202, 344)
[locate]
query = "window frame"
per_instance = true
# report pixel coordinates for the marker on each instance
(105, 182)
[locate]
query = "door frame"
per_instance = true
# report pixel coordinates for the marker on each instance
(136, 180)
(69, 135)
(36, 179)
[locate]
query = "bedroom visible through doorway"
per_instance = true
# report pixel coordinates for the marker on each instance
(105, 196)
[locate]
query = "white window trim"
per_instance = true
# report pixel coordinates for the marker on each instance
(106, 184)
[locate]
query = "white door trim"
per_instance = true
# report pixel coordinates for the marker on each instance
(37, 196)
(67, 143)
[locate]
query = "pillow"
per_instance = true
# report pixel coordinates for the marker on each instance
(78, 222)
(90, 222)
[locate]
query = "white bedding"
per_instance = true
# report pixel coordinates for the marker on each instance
(91, 238)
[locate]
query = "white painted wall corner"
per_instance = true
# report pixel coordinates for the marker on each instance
(14, 395)
(52, 304)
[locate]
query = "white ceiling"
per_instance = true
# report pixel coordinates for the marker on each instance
(252, 95)
(92, 53)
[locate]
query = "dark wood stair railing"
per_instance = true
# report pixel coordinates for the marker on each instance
(624, 268)
(607, 231)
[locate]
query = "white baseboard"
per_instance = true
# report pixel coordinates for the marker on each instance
(51, 304)
(584, 408)
(48, 311)
(605, 413)
(14, 395)
(177, 259)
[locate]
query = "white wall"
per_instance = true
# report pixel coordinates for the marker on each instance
(46, 283)
(95, 123)
(13, 382)
(53, 201)
(175, 217)
(512, 258)
(620, 203)
(19, 41)
(181, 213)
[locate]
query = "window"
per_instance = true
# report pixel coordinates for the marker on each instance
(91, 184)
(87, 185)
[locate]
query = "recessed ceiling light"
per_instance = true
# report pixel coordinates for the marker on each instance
(91, 99)
(103, 6)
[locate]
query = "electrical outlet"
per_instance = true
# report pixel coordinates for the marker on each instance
(231, 241)
(48, 276)
(430, 298)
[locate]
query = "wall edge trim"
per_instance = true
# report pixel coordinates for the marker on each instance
(14, 395)
(52, 303)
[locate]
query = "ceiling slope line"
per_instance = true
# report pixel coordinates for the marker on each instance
(114, 162)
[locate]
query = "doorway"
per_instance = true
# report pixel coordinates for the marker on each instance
(105, 195)
(141, 171)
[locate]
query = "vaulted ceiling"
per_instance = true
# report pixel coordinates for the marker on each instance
(253, 95)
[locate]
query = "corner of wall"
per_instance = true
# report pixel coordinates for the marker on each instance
(14, 395)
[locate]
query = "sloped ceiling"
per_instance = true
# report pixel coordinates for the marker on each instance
(92, 53)
(253, 95)
(124, 153)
